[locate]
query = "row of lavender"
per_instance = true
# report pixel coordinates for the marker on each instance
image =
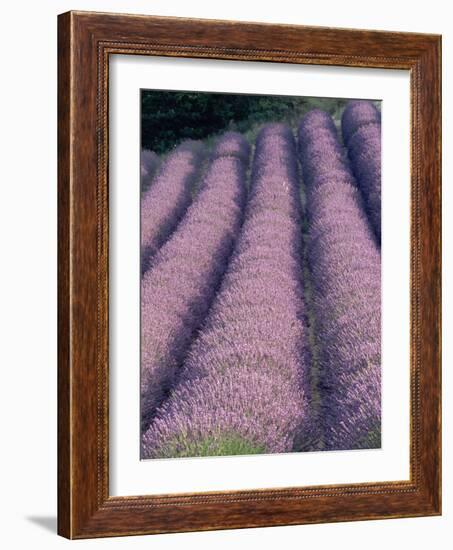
(361, 129)
(344, 261)
(178, 288)
(243, 384)
(167, 199)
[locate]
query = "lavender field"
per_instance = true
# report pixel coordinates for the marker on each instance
(261, 289)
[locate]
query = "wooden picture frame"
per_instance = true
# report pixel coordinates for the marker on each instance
(85, 42)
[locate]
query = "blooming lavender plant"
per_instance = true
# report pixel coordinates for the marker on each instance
(344, 261)
(149, 163)
(357, 114)
(244, 387)
(178, 288)
(168, 197)
(232, 144)
(361, 126)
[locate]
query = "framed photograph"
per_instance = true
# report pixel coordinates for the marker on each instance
(249, 275)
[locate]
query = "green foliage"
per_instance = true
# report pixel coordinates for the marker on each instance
(170, 117)
(222, 445)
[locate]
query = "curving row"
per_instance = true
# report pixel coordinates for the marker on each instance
(361, 127)
(168, 196)
(179, 286)
(244, 387)
(344, 261)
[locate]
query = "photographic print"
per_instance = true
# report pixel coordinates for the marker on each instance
(260, 274)
(220, 350)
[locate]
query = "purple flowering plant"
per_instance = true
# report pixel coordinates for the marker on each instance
(177, 289)
(261, 290)
(244, 386)
(344, 261)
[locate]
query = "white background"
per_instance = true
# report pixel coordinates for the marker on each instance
(28, 289)
(128, 475)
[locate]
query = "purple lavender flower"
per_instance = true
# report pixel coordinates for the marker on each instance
(361, 125)
(357, 114)
(345, 266)
(232, 144)
(244, 387)
(168, 197)
(149, 163)
(178, 288)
